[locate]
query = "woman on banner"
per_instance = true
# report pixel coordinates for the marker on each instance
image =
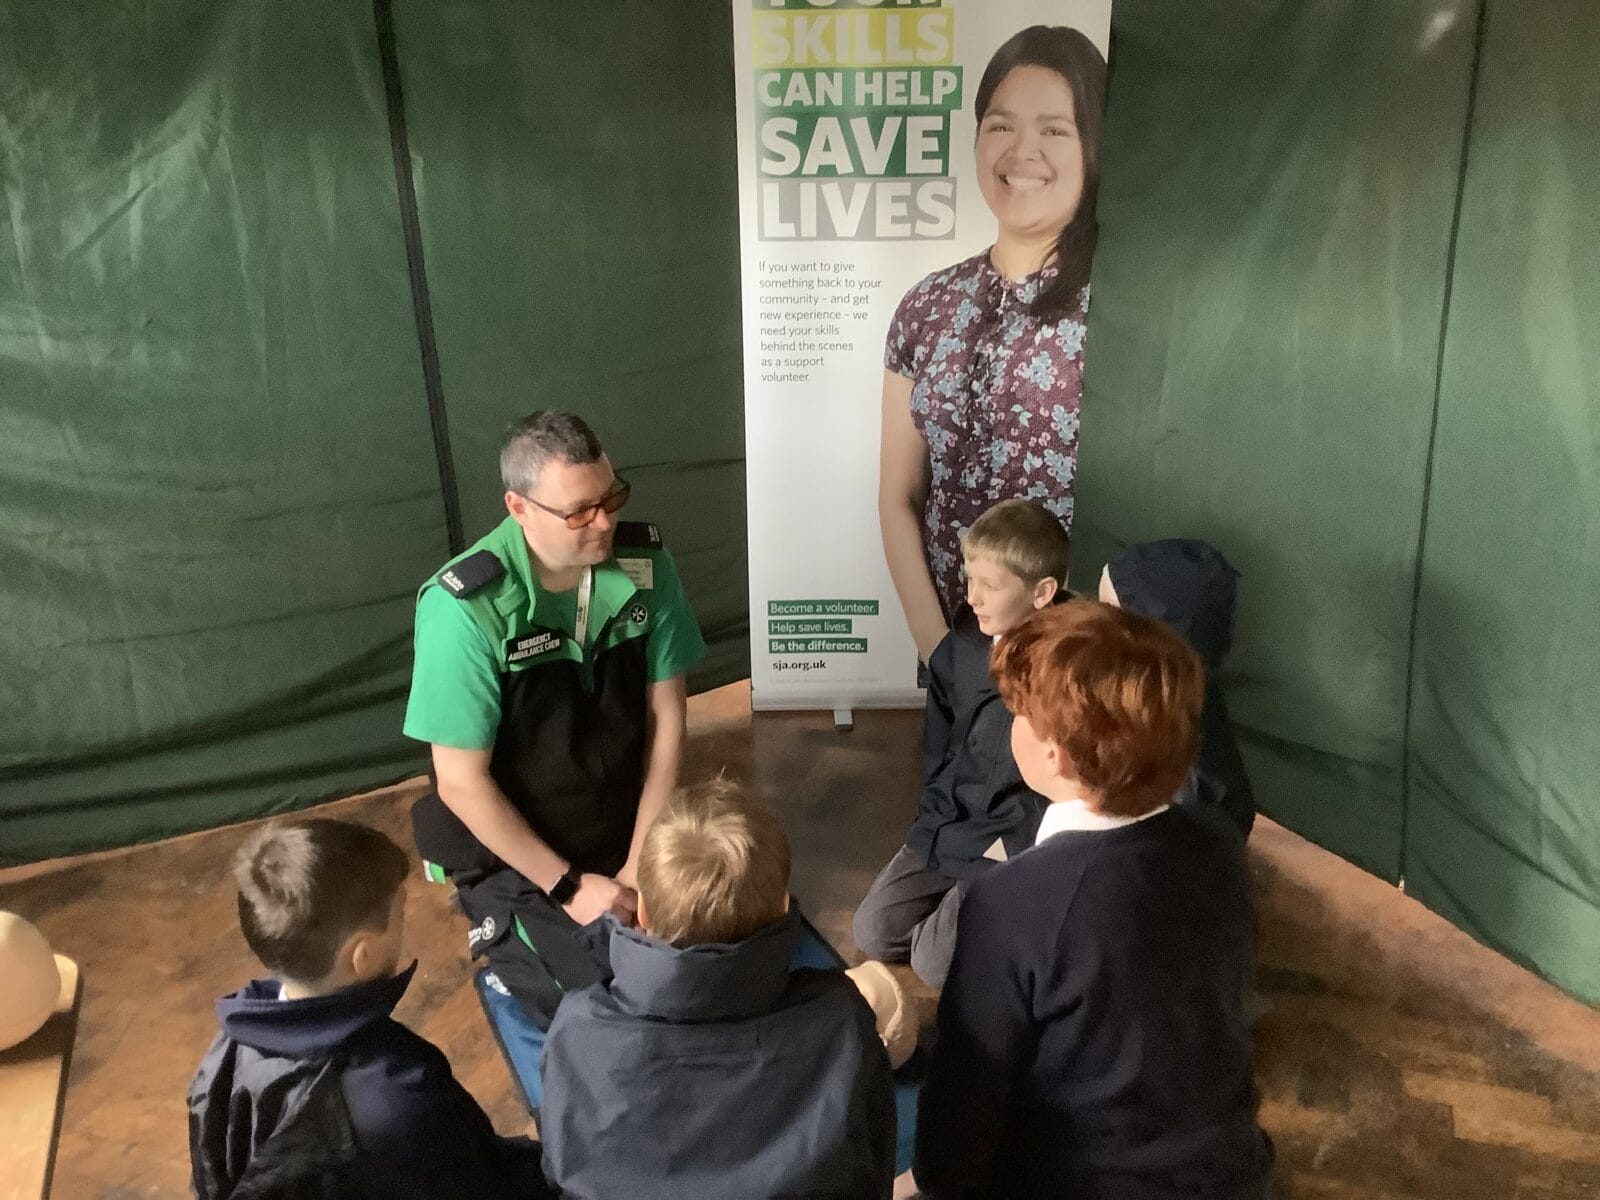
(984, 365)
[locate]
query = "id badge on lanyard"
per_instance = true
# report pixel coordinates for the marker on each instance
(580, 623)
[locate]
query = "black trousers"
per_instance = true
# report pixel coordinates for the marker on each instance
(537, 951)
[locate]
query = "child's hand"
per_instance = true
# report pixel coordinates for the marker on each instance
(597, 895)
(627, 906)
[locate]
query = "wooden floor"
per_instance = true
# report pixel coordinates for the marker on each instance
(1397, 1059)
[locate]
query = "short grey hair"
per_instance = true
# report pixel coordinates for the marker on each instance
(542, 437)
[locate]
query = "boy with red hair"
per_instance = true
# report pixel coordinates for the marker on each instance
(1091, 1038)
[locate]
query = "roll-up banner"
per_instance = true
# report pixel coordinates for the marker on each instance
(857, 179)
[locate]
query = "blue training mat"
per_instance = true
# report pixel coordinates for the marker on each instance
(521, 1042)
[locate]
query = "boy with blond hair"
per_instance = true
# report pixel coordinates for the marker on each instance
(975, 809)
(706, 1068)
(1091, 1036)
(312, 1089)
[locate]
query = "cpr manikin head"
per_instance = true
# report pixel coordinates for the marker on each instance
(32, 980)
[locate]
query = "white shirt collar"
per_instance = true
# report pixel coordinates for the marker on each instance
(1067, 816)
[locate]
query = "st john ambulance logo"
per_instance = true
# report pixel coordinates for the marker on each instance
(638, 614)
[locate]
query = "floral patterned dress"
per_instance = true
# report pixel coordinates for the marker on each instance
(995, 393)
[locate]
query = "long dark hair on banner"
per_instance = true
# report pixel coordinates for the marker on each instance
(1070, 54)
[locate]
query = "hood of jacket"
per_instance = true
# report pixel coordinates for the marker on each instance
(255, 1017)
(1184, 582)
(701, 983)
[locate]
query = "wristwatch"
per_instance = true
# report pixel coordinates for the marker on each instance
(565, 888)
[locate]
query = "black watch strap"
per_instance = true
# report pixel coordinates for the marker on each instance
(565, 888)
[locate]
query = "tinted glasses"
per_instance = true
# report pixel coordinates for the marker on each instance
(611, 502)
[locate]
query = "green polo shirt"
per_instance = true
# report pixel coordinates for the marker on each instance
(455, 683)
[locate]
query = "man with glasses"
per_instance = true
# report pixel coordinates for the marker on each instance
(549, 683)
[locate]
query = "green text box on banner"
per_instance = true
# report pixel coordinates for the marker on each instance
(1503, 818)
(811, 627)
(218, 482)
(575, 177)
(1277, 186)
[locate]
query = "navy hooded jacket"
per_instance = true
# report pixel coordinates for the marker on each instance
(972, 792)
(1189, 585)
(329, 1096)
(1092, 1041)
(717, 1073)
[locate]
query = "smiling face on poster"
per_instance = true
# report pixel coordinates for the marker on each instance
(877, 208)
(1029, 156)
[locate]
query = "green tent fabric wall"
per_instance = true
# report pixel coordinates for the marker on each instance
(1277, 189)
(218, 491)
(1503, 812)
(221, 486)
(578, 197)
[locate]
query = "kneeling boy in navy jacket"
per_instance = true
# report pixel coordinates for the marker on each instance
(312, 1089)
(1189, 585)
(706, 1069)
(1091, 1039)
(975, 809)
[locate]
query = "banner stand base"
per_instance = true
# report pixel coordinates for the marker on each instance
(845, 701)
(844, 719)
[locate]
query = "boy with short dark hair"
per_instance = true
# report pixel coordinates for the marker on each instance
(975, 809)
(706, 1069)
(312, 1089)
(1091, 1036)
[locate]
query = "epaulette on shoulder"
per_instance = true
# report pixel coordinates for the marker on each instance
(471, 574)
(637, 535)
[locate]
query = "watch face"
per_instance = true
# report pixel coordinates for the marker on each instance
(566, 887)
